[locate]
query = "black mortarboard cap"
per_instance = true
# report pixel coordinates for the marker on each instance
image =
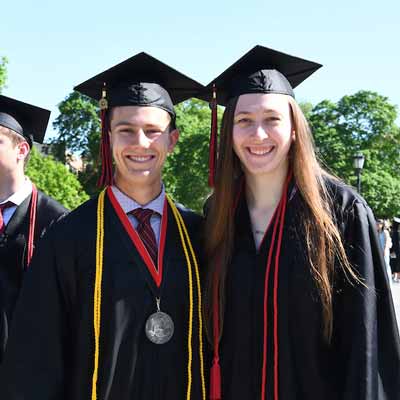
(142, 80)
(25, 119)
(260, 70)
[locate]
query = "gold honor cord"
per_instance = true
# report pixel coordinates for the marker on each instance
(181, 224)
(97, 289)
(97, 294)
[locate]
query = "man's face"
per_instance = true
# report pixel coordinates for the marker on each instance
(140, 142)
(12, 155)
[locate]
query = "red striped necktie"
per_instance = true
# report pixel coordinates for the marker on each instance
(145, 231)
(8, 204)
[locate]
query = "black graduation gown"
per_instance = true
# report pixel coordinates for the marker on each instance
(363, 361)
(52, 341)
(13, 253)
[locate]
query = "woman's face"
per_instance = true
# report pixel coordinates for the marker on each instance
(262, 132)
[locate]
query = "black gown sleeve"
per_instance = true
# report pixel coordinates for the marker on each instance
(34, 362)
(365, 328)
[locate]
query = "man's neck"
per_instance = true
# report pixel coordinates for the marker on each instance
(10, 184)
(142, 194)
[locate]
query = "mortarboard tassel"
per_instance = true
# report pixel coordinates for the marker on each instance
(215, 373)
(215, 381)
(212, 160)
(106, 177)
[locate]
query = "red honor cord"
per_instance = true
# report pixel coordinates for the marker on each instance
(156, 273)
(32, 223)
(215, 374)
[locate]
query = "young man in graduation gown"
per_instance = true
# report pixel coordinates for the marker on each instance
(25, 212)
(118, 315)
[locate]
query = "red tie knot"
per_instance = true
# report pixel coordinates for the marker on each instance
(3, 206)
(143, 215)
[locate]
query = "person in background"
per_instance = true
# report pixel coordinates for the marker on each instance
(395, 250)
(386, 244)
(25, 212)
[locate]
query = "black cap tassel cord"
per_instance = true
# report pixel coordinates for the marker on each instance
(106, 177)
(213, 151)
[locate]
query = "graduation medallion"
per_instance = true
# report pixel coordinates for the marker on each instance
(159, 326)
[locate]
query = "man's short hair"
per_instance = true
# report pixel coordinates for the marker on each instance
(15, 138)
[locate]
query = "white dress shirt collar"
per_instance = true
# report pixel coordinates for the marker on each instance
(128, 204)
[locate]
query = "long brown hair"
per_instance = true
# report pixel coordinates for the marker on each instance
(322, 237)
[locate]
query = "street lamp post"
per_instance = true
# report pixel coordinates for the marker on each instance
(358, 162)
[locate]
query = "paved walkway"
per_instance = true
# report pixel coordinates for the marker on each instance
(396, 300)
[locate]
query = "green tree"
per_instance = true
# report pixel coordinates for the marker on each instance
(54, 179)
(366, 122)
(306, 107)
(3, 73)
(363, 122)
(186, 170)
(78, 127)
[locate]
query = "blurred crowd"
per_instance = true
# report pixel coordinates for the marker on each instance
(389, 236)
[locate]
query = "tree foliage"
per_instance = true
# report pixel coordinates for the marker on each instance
(186, 170)
(3, 72)
(54, 179)
(366, 122)
(78, 127)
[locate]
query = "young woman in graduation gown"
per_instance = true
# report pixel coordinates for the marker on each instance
(298, 305)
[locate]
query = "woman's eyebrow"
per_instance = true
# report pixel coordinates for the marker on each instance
(266, 111)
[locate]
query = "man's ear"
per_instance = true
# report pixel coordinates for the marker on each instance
(110, 136)
(173, 138)
(23, 150)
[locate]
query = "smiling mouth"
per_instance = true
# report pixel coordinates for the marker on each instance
(140, 159)
(256, 151)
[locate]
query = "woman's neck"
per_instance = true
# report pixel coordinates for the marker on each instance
(263, 192)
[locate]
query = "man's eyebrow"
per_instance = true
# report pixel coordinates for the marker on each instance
(121, 123)
(127, 123)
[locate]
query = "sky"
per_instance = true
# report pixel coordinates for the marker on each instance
(54, 45)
